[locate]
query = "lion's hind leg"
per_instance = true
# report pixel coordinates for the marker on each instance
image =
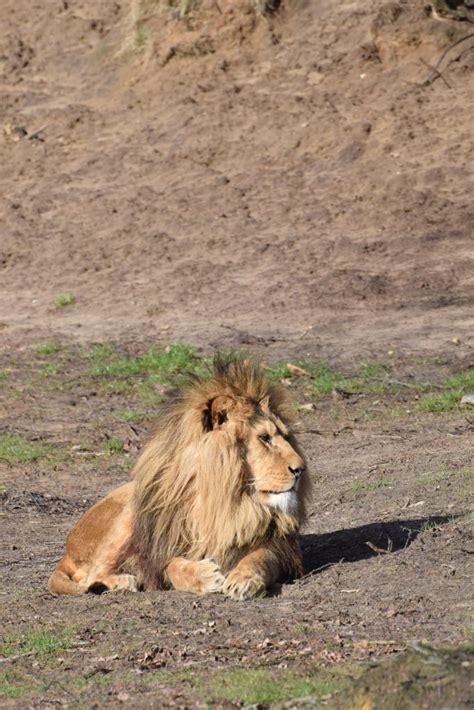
(198, 577)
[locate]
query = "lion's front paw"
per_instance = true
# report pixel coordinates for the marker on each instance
(243, 584)
(207, 577)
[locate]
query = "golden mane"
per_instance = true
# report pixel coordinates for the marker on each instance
(189, 493)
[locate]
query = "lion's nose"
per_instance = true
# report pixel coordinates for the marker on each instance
(296, 471)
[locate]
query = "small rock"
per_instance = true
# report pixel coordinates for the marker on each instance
(467, 400)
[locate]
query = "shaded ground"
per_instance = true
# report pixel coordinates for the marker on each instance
(298, 184)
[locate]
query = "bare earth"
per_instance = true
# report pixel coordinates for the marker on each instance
(291, 184)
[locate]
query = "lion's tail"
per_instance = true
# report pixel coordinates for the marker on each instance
(61, 583)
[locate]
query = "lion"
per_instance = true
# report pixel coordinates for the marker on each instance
(215, 502)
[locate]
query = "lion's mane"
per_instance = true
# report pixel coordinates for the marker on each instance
(190, 496)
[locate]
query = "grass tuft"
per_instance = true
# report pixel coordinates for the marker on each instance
(64, 299)
(49, 347)
(447, 401)
(261, 687)
(15, 449)
(50, 368)
(164, 365)
(114, 445)
(38, 642)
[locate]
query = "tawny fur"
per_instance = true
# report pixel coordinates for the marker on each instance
(197, 515)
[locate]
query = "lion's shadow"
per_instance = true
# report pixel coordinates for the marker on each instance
(353, 544)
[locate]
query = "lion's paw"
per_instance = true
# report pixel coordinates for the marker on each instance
(208, 577)
(127, 582)
(243, 584)
(113, 583)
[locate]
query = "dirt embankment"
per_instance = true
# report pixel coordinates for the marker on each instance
(232, 177)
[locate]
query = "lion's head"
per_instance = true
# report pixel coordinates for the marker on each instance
(222, 473)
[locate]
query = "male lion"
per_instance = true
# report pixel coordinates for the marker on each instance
(215, 503)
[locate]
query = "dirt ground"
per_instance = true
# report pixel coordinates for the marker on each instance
(296, 183)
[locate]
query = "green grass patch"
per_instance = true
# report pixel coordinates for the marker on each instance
(324, 379)
(100, 352)
(371, 369)
(8, 690)
(48, 347)
(165, 365)
(15, 449)
(263, 687)
(64, 299)
(114, 445)
(49, 369)
(442, 402)
(118, 386)
(448, 400)
(38, 642)
(4, 375)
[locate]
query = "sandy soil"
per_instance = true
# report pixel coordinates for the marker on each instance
(299, 184)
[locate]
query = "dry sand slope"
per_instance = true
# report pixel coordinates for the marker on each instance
(232, 178)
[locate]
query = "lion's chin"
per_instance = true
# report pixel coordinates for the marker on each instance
(287, 501)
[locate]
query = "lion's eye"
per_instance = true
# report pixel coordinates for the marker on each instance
(266, 438)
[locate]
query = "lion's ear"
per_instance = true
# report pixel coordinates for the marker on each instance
(265, 404)
(219, 413)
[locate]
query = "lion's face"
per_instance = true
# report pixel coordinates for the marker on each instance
(275, 468)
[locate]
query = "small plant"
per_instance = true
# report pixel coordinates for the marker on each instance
(64, 299)
(99, 352)
(114, 445)
(442, 402)
(371, 369)
(50, 368)
(15, 449)
(49, 347)
(448, 400)
(261, 687)
(3, 375)
(38, 642)
(164, 365)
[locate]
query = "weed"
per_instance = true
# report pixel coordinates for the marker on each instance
(50, 368)
(99, 352)
(446, 401)
(118, 386)
(442, 402)
(462, 381)
(15, 449)
(114, 445)
(64, 299)
(49, 347)
(371, 369)
(165, 365)
(261, 687)
(38, 642)
(14, 691)
(277, 372)
(3, 375)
